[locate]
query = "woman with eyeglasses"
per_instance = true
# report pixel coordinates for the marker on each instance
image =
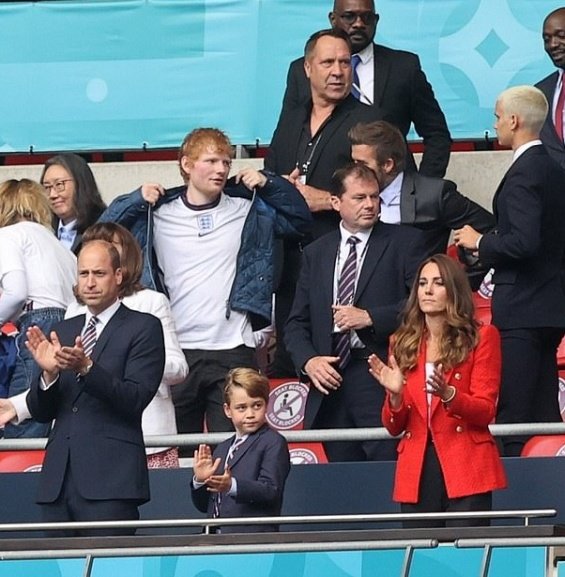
(442, 381)
(37, 274)
(73, 195)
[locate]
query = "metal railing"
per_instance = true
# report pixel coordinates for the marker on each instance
(310, 436)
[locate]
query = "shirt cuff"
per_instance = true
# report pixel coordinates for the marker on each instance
(46, 386)
(233, 489)
(478, 241)
(21, 408)
(197, 484)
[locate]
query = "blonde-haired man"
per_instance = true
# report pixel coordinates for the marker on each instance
(527, 252)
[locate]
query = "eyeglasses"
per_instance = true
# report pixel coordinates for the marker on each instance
(59, 185)
(351, 17)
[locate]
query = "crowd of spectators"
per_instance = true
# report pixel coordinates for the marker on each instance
(340, 227)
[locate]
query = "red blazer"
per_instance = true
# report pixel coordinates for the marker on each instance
(465, 448)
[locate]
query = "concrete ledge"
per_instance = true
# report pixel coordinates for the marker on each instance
(477, 174)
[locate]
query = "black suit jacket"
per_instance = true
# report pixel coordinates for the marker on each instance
(435, 206)
(260, 466)
(553, 144)
(404, 97)
(528, 249)
(332, 150)
(392, 257)
(98, 417)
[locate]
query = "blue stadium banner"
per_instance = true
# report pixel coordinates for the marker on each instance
(124, 74)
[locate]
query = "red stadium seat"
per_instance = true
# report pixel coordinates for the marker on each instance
(21, 461)
(545, 446)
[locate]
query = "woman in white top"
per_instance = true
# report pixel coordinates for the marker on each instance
(37, 275)
(159, 417)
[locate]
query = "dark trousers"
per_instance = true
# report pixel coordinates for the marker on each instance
(72, 506)
(357, 403)
(434, 499)
(282, 365)
(200, 398)
(529, 386)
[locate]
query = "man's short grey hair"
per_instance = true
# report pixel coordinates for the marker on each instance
(528, 103)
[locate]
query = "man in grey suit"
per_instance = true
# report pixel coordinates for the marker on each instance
(433, 205)
(391, 81)
(552, 86)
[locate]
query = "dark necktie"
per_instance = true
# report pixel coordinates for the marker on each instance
(559, 112)
(89, 337)
(345, 294)
(231, 453)
(355, 60)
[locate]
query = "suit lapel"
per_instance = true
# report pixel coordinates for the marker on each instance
(378, 241)
(112, 328)
(407, 199)
(381, 74)
(327, 270)
(245, 446)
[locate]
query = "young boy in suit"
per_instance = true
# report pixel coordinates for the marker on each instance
(246, 474)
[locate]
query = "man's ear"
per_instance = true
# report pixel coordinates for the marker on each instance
(331, 18)
(335, 201)
(186, 164)
(227, 410)
(389, 166)
(307, 68)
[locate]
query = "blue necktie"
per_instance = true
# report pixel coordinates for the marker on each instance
(355, 60)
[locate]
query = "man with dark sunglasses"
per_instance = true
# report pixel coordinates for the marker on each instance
(391, 80)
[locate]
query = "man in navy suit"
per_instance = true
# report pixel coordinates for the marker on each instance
(100, 371)
(342, 392)
(553, 86)
(527, 252)
(391, 81)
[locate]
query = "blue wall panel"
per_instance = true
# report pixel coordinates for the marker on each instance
(114, 74)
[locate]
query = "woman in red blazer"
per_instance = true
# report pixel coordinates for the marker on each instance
(442, 381)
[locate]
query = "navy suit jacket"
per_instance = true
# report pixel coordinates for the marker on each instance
(528, 249)
(404, 97)
(98, 417)
(392, 257)
(553, 144)
(260, 466)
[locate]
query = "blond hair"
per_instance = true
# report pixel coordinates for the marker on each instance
(24, 199)
(528, 103)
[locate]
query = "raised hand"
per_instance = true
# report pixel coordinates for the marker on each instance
(390, 376)
(44, 350)
(204, 466)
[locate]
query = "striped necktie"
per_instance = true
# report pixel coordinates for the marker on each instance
(229, 457)
(89, 336)
(345, 294)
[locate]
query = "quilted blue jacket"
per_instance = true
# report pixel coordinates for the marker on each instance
(278, 209)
